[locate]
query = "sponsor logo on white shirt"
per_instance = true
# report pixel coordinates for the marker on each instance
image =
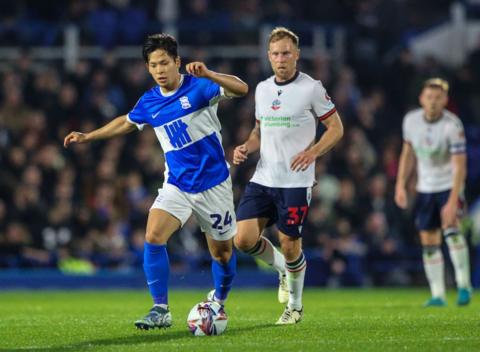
(276, 104)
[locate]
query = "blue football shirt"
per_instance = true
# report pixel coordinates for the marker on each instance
(187, 127)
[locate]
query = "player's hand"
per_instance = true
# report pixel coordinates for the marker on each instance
(401, 198)
(74, 137)
(240, 154)
(198, 69)
(449, 214)
(302, 160)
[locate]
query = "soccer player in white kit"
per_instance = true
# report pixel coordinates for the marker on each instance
(182, 110)
(288, 107)
(434, 139)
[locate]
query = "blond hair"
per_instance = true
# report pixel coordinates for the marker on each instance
(436, 83)
(280, 33)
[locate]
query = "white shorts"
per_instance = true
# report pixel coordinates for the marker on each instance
(213, 208)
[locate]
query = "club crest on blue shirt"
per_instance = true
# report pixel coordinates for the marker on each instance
(185, 103)
(276, 104)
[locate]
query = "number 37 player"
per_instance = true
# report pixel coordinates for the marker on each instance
(288, 107)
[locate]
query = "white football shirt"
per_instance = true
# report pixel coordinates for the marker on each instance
(288, 113)
(433, 144)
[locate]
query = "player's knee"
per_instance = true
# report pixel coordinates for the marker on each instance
(222, 257)
(243, 243)
(155, 236)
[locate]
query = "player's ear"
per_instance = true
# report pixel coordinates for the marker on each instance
(269, 53)
(178, 61)
(148, 61)
(420, 97)
(445, 99)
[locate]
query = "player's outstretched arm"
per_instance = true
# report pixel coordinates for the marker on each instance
(233, 86)
(116, 127)
(405, 168)
(331, 137)
(240, 153)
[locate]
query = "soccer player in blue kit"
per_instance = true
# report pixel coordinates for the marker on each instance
(182, 110)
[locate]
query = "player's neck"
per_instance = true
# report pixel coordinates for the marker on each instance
(432, 118)
(174, 86)
(286, 79)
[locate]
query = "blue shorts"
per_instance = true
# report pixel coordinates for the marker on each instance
(285, 207)
(428, 207)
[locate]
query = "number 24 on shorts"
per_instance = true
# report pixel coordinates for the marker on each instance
(217, 220)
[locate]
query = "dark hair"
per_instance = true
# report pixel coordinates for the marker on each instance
(160, 41)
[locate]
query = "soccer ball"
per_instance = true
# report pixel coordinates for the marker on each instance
(207, 318)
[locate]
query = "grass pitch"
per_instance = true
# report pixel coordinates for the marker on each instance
(335, 320)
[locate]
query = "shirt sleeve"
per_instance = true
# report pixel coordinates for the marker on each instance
(257, 113)
(405, 131)
(322, 104)
(213, 92)
(138, 114)
(456, 138)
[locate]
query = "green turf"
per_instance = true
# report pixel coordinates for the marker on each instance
(335, 320)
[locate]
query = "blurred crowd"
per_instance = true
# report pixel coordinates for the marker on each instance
(122, 22)
(86, 206)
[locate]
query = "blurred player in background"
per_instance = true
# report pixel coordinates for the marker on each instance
(182, 109)
(435, 138)
(288, 107)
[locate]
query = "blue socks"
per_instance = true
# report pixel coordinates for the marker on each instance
(157, 268)
(223, 275)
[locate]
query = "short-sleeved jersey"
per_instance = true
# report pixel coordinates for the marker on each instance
(288, 114)
(433, 144)
(187, 127)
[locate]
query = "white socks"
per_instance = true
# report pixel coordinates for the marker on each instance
(433, 264)
(265, 251)
(295, 271)
(458, 249)
(295, 279)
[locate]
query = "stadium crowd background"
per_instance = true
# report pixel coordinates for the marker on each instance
(88, 204)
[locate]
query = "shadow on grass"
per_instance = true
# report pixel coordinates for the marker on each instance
(141, 337)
